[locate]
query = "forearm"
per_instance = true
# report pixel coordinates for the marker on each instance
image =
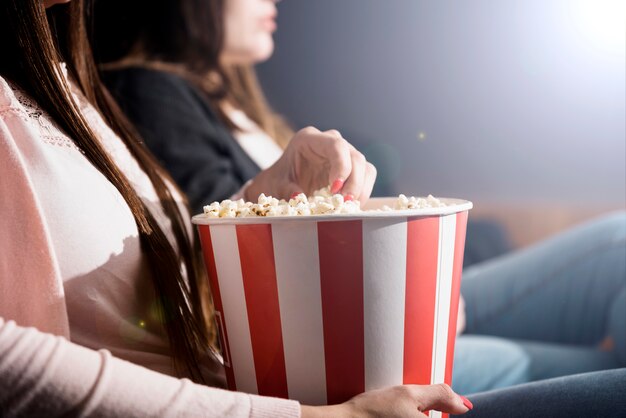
(330, 411)
(45, 375)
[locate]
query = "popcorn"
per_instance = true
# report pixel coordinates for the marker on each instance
(402, 202)
(337, 200)
(323, 202)
(323, 192)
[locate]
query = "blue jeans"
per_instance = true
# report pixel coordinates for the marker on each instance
(599, 394)
(543, 311)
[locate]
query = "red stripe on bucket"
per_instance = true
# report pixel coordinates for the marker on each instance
(209, 261)
(421, 288)
(457, 268)
(256, 252)
(341, 281)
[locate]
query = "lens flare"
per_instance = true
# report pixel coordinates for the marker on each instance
(601, 22)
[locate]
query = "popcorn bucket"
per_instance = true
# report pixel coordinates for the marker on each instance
(322, 308)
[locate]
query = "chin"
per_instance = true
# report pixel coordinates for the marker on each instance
(261, 57)
(253, 53)
(264, 51)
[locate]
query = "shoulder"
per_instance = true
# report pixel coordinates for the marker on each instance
(154, 95)
(15, 103)
(143, 76)
(146, 84)
(9, 96)
(19, 111)
(159, 100)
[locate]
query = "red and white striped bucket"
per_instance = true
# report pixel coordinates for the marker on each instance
(322, 308)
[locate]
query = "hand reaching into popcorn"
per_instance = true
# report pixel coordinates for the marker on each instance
(313, 160)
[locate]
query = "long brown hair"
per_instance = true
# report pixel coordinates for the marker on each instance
(32, 48)
(184, 37)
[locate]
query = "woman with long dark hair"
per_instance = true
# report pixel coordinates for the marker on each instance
(166, 70)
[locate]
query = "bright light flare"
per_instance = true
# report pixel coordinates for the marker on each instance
(601, 22)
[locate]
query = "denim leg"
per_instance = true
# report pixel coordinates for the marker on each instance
(563, 290)
(617, 325)
(599, 394)
(484, 363)
(547, 360)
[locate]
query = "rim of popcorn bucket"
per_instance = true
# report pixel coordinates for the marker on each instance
(453, 205)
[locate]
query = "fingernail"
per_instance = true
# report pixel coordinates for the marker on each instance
(348, 197)
(466, 402)
(294, 195)
(336, 186)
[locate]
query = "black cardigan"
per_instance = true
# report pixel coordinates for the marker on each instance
(179, 126)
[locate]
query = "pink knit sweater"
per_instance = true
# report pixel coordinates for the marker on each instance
(71, 265)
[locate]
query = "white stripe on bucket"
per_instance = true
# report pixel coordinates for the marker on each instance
(384, 285)
(228, 267)
(447, 235)
(296, 258)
